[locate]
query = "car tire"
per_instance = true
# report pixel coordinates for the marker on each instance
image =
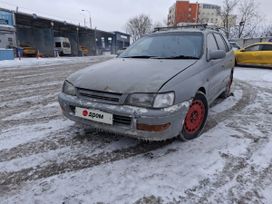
(195, 118)
(227, 91)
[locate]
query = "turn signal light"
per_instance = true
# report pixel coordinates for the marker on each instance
(153, 128)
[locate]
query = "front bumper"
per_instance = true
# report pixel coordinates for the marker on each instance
(126, 117)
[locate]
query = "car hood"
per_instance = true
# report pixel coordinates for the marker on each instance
(121, 75)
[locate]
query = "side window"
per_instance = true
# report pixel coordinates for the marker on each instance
(253, 48)
(220, 42)
(266, 47)
(211, 43)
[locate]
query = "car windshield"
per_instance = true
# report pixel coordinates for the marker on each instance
(167, 46)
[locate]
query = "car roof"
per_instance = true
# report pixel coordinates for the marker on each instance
(261, 43)
(195, 27)
(184, 30)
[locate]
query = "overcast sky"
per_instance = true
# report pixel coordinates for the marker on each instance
(109, 15)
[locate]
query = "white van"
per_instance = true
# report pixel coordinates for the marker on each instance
(62, 45)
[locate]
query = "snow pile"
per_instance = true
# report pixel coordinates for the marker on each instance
(27, 62)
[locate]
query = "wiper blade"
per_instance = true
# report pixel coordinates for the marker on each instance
(140, 56)
(177, 57)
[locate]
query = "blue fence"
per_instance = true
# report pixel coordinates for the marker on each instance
(6, 54)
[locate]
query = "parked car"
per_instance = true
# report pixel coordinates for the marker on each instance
(258, 54)
(63, 46)
(158, 88)
(84, 50)
(28, 50)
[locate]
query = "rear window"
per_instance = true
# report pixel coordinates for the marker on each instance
(266, 47)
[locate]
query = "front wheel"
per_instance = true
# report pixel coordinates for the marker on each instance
(196, 117)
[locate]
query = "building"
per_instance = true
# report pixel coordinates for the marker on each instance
(232, 19)
(210, 13)
(39, 32)
(183, 12)
(7, 30)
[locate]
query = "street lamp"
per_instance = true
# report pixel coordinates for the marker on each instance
(52, 36)
(241, 24)
(90, 17)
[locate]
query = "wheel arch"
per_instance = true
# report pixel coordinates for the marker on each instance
(202, 89)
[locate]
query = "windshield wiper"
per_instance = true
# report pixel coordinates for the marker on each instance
(140, 56)
(177, 57)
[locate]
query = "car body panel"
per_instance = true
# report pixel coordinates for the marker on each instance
(132, 75)
(257, 57)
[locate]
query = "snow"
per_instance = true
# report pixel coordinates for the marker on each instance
(12, 137)
(225, 165)
(27, 62)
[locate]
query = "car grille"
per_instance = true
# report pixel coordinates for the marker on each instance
(100, 96)
(124, 120)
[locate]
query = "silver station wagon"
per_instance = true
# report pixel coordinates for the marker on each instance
(159, 88)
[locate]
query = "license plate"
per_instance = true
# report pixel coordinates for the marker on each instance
(94, 115)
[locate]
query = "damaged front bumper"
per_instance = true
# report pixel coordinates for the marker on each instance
(136, 122)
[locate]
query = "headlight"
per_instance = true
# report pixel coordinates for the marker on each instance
(68, 88)
(142, 100)
(151, 100)
(164, 100)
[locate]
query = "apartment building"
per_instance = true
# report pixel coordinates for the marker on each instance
(183, 12)
(210, 13)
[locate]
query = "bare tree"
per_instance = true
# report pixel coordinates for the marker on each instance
(226, 13)
(249, 19)
(138, 26)
(266, 30)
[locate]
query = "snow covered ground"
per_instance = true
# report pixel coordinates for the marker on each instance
(27, 62)
(45, 158)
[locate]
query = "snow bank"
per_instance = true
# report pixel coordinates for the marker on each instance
(29, 62)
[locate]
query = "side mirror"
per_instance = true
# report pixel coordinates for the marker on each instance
(242, 50)
(218, 54)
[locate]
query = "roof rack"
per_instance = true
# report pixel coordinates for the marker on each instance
(194, 25)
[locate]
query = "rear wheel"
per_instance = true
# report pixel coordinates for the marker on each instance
(195, 118)
(227, 91)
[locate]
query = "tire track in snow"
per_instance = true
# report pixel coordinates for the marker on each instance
(85, 161)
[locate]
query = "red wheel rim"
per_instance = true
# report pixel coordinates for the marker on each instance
(195, 117)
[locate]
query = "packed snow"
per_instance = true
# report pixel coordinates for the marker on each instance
(27, 62)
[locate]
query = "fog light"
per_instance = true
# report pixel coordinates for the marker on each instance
(153, 128)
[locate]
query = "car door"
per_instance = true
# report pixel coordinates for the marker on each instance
(214, 67)
(227, 63)
(266, 54)
(249, 55)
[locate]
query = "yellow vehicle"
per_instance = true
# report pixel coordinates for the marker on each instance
(84, 50)
(28, 50)
(258, 54)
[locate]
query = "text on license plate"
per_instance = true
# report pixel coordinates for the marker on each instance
(94, 115)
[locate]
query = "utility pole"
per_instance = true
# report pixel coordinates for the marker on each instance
(90, 17)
